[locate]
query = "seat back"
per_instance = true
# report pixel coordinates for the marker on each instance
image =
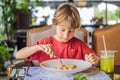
(112, 38)
(36, 33)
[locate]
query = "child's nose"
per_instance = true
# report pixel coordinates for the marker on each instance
(66, 35)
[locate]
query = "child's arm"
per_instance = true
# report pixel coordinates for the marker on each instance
(27, 51)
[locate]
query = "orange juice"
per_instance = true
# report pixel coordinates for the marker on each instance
(9, 70)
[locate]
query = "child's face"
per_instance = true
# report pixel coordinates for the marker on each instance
(64, 31)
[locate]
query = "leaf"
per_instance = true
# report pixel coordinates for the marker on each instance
(80, 77)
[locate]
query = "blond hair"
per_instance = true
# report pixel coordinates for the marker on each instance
(67, 11)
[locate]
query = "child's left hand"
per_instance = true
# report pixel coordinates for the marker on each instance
(92, 58)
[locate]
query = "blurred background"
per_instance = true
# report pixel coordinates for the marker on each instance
(17, 16)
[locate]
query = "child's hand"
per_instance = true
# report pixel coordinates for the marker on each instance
(48, 48)
(92, 58)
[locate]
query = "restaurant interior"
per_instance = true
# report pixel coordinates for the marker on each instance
(22, 20)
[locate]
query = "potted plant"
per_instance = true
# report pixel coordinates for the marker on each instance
(13, 11)
(24, 12)
(4, 54)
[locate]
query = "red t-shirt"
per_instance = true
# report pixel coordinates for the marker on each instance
(74, 49)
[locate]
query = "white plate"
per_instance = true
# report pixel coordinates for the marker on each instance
(81, 65)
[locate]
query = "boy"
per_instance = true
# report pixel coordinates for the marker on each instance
(63, 44)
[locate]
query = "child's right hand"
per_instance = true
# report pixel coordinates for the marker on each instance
(48, 48)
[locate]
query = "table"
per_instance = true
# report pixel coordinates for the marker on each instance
(116, 74)
(38, 73)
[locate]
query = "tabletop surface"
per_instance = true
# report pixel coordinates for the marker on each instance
(38, 73)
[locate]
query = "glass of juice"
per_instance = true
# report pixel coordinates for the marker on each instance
(9, 70)
(107, 61)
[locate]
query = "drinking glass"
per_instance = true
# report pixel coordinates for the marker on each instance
(9, 71)
(107, 61)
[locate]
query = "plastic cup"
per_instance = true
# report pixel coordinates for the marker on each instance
(107, 61)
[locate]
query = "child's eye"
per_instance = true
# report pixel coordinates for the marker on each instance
(71, 31)
(62, 30)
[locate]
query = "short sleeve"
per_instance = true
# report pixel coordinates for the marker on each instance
(86, 50)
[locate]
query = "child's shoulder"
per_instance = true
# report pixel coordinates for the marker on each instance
(77, 40)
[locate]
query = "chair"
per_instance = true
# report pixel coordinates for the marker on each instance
(112, 38)
(36, 33)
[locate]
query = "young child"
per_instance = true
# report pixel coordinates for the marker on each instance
(63, 44)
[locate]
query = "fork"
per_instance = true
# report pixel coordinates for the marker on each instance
(59, 59)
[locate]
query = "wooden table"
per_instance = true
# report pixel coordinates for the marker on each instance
(116, 75)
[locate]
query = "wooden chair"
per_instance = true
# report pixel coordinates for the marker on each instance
(112, 38)
(36, 33)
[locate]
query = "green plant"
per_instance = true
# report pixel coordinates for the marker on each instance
(23, 5)
(111, 15)
(10, 10)
(117, 13)
(4, 54)
(80, 77)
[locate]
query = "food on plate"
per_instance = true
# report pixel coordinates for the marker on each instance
(66, 67)
(72, 66)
